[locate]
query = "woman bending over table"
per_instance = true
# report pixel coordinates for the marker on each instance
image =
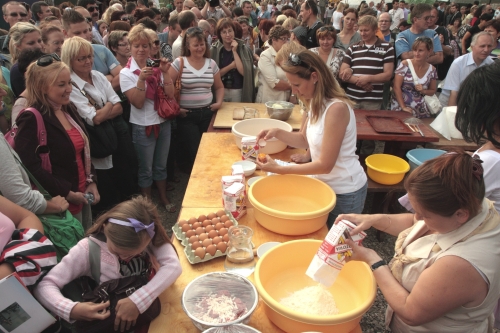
(330, 133)
(445, 274)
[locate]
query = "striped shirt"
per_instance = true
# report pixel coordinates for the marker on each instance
(365, 60)
(196, 85)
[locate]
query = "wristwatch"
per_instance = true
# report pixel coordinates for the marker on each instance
(378, 264)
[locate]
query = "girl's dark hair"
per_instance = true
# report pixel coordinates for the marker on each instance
(223, 23)
(447, 183)
(116, 16)
(495, 24)
(238, 30)
(146, 12)
(289, 12)
(266, 25)
(148, 23)
(351, 10)
(26, 57)
(119, 25)
(478, 105)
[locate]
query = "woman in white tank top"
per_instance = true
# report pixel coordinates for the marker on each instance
(330, 134)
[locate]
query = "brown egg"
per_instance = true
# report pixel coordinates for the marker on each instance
(211, 249)
(190, 233)
(193, 220)
(207, 242)
(220, 213)
(222, 232)
(222, 247)
(228, 224)
(182, 222)
(199, 230)
(202, 237)
(219, 226)
(212, 233)
(206, 223)
(224, 218)
(202, 218)
(211, 216)
(193, 239)
(196, 245)
(225, 238)
(200, 252)
(196, 225)
(209, 228)
(186, 227)
(215, 221)
(216, 240)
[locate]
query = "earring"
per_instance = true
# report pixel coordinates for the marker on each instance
(315, 82)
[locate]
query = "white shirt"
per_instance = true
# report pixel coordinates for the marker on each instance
(397, 16)
(337, 19)
(347, 175)
(102, 92)
(491, 166)
(269, 76)
(177, 47)
(147, 115)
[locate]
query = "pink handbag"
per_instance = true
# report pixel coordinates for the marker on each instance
(10, 136)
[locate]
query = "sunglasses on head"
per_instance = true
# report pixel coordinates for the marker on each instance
(47, 60)
(18, 14)
(326, 28)
(92, 8)
(295, 60)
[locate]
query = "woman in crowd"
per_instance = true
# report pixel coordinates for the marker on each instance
(150, 132)
(53, 39)
(348, 36)
(235, 62)
(200, 75)
(450, 242)
(23, 36)
(102, 27)
(273, 83)
(155, 46)
(71, 173)
(290, 23)
(106, 16)
(476, 15)
(265, 27)
(329, 134)
(119, 15)
(119, 46)
(469, 16)
(455, 25)
(408, 96)
(337, 17)
(493, 28)
(249, 36)
(51, 20)
(117, 25)
(264, 12)
(333, 57)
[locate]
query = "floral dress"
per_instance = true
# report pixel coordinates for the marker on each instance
(334, 60)
(411, 97)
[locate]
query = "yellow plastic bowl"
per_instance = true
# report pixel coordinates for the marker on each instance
(386, 169)
(281, 271)
(291, 204)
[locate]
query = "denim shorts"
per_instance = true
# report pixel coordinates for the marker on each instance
(348, 203)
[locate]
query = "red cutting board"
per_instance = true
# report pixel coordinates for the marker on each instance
(388, 125)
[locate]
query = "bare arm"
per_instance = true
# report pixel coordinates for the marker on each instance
(219, 92)
(396, 87)
(464, 42)
(21, 217)
(115, 81)
(225, 10)
(237, 59)
(436, 59)
(453, 98)
(205, 9)
(407, 55)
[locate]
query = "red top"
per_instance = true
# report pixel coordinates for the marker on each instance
(78, 143)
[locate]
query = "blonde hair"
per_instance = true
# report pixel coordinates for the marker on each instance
(17, 34)
(40, 80)
(327, 86)
(72, 46)
(340, 7)
(153, 35)
(139, 208)
(290, 23)
(107, 14)
(286, 49)
(138, 33)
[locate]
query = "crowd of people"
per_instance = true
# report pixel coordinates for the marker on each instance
(79, 88)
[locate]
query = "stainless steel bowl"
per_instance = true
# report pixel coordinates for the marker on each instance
(280, 114)
(206, 284)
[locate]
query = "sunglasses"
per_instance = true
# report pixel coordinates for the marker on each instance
(47, 60)
(92, 8)
(295, 60)
(156, 42)
(18, 14)
(284, 39)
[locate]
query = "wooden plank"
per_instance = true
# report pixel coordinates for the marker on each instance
(446, 144)
(172, 314)
(224, 116)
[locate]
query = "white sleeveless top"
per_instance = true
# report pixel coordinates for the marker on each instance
(347, 175)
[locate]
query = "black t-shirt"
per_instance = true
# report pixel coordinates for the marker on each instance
(227, 57)
(17, 81)
(311, 35)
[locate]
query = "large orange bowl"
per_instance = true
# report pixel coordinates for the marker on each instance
(281, 271)
(291, 204)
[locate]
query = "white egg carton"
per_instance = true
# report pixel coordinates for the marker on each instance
(189, 252)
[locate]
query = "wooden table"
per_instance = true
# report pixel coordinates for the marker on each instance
(173, 318)
(446, 144)
(224, 117)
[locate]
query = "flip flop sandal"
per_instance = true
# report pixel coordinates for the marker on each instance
(170, 208)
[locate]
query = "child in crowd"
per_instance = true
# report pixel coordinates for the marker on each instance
(133, 242)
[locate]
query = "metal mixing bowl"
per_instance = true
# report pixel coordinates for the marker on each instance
(280, 114)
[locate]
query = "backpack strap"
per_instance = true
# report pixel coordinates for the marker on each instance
(412, 70)
(95, 260)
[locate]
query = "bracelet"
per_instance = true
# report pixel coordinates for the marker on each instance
(390, 223)
(140, 89)
(378, 264)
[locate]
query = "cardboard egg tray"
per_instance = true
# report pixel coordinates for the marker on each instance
(189, 252)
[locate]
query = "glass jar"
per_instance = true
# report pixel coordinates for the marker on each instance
(239, 257)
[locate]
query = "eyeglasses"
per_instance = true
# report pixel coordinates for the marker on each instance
(84, 59)
(284, 39)
(18, 14)
(47, 60)
(92, 8)
(157, 42)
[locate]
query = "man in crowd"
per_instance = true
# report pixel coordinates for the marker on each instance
(187, 20)
(130, 8)
(188, 4)
(249, 13)
(404, 6)
(482, 44)
(40, 11)
(421, 17)
(93, 9)
(174, 30)
(384, 24)
(397, 14)
(444, 38)
(210, 11)
(13, 12)
(454, 13)
(309, 13)
(179, 4)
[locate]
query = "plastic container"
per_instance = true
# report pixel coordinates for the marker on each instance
(281, 271)
(282, 113)
(418, 156)
(291, 204)
(386, 169)
(252, 127)
(216, 285)
(249, 167)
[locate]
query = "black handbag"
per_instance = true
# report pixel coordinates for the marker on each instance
(102, 138)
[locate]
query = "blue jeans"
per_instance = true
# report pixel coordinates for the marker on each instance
(152, 153)
(348, 203)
